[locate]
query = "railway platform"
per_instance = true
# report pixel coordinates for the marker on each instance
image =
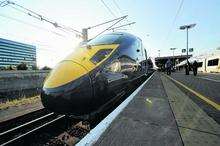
(169, 110)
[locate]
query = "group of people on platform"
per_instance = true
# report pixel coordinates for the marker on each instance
(188, 67)
(193, 66)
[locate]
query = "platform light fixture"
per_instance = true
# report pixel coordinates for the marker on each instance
(187, 27)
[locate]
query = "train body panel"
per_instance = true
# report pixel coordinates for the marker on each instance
(209, 64)
(107, 66)
(213, 64)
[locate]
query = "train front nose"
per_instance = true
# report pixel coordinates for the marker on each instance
(68, 89)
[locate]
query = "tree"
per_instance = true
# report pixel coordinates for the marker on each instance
(34, 67)
(46, 68)
(22, 66)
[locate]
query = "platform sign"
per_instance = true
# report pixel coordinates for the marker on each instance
(190, 49)
(183, 50)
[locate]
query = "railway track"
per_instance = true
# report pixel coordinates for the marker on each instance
(11, 123)
(48, 128)
(11, 134)
(35, 129)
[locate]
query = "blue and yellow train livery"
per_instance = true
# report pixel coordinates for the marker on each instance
(95, 75)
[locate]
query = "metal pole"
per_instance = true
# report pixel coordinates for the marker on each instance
(85, 34)
(187, 49)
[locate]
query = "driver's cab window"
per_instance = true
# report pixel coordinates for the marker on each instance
(100, 55)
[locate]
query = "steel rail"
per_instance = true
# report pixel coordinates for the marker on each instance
(28, 123)
(31, 131)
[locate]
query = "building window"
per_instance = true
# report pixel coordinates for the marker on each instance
(14, 52)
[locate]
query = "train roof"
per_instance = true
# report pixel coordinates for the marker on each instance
(125, 35)
(112, 38)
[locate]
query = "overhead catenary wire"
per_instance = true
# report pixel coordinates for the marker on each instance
(107, 22)
(117, 6)
(31, 13)
(107, 7)
(61, 27)
(3, 3)
(32, 25)
(175, 18)
(42, 18)
(121, 26)
(120, 10)
(110, 26)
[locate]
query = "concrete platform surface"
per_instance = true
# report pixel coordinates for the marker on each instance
(162, 114)
(196, 127)
(147, 120)
(204, 84)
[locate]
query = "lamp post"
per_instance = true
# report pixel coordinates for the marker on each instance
(159, 53)
(173, 49)
(187, 27)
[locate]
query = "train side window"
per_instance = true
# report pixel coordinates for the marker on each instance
(210, 63)
(100, 55)
(213, 62)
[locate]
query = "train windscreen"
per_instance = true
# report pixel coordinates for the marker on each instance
(105, 39)
(100, 55)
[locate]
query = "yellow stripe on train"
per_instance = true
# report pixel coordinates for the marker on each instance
(75, 65)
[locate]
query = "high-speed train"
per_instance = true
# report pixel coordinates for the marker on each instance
(209, 63)
(95, 75)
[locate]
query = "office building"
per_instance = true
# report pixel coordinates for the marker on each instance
(13, 53)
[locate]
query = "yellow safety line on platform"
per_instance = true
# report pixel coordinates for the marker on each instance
(206, 99)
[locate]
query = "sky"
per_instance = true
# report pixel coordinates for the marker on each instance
(157, 24)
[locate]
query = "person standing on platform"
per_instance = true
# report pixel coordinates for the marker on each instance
(187, 66)
(195, 68)
(168, 66)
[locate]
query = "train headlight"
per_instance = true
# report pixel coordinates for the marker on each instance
(115, 66)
